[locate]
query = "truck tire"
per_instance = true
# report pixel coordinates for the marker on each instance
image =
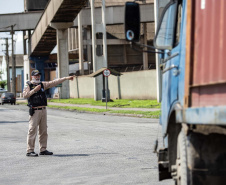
(181, 163)
(206, 158)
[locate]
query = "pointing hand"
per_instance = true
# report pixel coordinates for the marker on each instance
(70, 77)
(37, 88)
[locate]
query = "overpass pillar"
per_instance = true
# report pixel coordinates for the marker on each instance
(40, 65)
(145, 54)
(80, 40)
(100, 60)
(62, 55)
(27, 69)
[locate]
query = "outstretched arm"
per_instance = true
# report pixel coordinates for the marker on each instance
(53, 83)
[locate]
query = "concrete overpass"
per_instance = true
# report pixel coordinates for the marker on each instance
(58, 15)
(29, 20)
(23, 21)
(115, 15)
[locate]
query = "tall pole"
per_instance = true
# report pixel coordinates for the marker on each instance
(104, 34)
(7, 64)
(158, 71)
(80, 39)
(145, 54)
(13, 65)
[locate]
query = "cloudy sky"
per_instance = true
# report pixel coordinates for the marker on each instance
(12, 6)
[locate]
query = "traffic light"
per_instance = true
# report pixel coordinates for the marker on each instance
(132, 21)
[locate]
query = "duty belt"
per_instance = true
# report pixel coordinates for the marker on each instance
(38, 108)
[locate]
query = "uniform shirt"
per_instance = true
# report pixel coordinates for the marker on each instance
(28, 92)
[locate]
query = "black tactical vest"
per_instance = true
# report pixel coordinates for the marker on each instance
(38, 98)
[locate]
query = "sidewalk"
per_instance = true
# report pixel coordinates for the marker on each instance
(96, 107)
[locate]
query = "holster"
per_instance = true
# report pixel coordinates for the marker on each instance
(31, 111)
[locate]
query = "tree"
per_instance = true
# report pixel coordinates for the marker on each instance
(3, 84)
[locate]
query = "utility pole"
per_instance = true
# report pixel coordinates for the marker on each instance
(13, 90)
(7, 64)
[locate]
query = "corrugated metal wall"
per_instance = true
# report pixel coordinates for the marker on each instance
(209, 74)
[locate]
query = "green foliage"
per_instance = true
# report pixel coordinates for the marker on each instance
(115, 103)
(79, 109)
(3, 83)
(142, 114)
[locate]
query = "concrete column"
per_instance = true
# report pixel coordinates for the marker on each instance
(158, 71)
(69, 40)
(104, 34)
(62, 55)
(98, 61)
(29, 42)
(24, 42)
(89, 49)
(145, 54)
(76, 38)
(40, 65)
(73, 38)
(27, 73)
(80, 40)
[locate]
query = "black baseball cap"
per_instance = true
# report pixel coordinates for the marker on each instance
(35, 72)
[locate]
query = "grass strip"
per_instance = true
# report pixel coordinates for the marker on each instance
(127, 103)
(81, 109)
(144, 114)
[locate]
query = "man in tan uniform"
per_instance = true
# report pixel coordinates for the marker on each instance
(37, 101)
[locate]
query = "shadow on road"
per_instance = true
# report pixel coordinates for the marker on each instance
(12, 121)
(71, 155)
(81, 155)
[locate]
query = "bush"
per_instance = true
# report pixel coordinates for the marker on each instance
(3, 84)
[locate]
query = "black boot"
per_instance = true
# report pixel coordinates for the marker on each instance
(32, 154)
(46, 152)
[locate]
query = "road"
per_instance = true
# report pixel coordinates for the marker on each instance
(90, 149)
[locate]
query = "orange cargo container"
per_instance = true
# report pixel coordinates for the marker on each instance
(206, 53)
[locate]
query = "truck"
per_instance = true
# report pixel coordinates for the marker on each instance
(190, 43)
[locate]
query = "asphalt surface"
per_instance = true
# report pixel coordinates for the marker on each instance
(90, 149)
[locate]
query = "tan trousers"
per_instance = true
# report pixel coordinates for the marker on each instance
(38, 120)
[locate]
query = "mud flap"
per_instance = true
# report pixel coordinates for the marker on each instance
(163, 164)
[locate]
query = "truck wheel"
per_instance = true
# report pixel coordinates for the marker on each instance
(207, 158)
(181, 163)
